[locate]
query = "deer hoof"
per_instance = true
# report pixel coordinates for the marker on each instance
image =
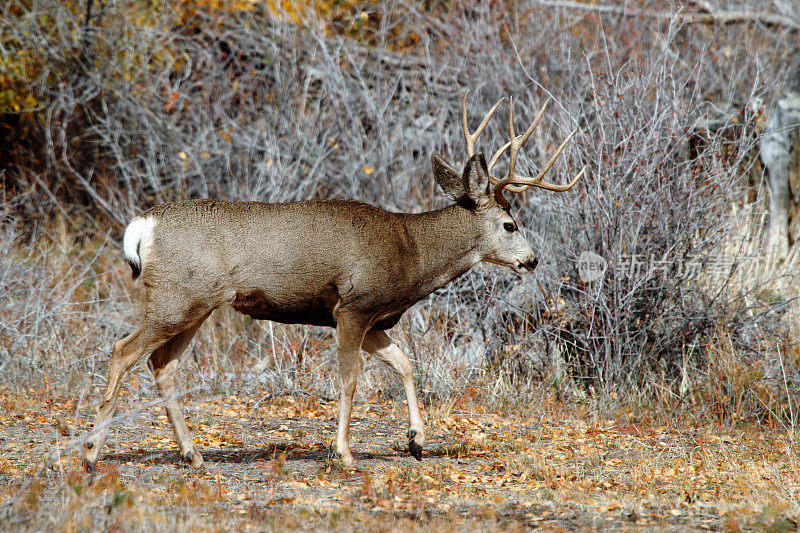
(89, 466)
(91, 457)
(194, 458)
(346, 458)
(415, 450)
(414, 447)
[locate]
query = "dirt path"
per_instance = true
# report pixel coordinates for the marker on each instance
(270, 468)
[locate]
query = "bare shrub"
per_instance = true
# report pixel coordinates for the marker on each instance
(133, 104)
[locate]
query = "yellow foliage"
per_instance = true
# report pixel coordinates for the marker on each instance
(293, 11)
(16, 69)
(223, 5)
(297, 11)
(189, 8)
(352, 17)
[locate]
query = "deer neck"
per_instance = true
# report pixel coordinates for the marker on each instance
(446, 244)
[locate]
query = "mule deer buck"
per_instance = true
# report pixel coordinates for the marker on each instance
(336, 263)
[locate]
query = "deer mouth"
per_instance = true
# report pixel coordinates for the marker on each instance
(527, 266)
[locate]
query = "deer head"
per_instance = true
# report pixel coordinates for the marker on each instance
(501, 241)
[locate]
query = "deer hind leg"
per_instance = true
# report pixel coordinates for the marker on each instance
(380, 345)
(163, 363)
(350, 332)
(149, 336)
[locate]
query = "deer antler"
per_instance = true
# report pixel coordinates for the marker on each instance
(513, 182)
(470, 138)
(516, 183)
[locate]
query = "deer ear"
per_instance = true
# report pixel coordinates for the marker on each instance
(476, 179)
(447, 177)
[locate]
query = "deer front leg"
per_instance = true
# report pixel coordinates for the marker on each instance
(350, 332)
(379, 344)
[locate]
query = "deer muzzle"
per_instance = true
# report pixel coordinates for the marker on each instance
(528, 266)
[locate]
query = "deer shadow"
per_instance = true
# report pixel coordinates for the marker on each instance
(241, 455)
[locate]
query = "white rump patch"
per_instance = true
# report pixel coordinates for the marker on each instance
(138, 238)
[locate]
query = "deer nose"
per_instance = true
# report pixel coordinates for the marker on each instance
(530, 265)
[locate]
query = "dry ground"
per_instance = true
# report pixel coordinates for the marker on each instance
(268, 466)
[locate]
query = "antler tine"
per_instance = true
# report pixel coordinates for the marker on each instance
(520, 183)
(516, 142)
(516, 183)
(552, 160)
(506, 183)
(470, 138)
(494, 159)
(561, 188)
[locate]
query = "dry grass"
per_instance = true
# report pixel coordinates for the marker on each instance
(550, 404)
(268, 468)
(507, 449)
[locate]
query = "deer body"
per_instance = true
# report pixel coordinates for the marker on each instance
(336, 263)
(277, 262)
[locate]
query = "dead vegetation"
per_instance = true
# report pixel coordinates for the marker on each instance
(269, 468)
(664, 396)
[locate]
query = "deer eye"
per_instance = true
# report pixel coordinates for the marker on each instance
(510, 227)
